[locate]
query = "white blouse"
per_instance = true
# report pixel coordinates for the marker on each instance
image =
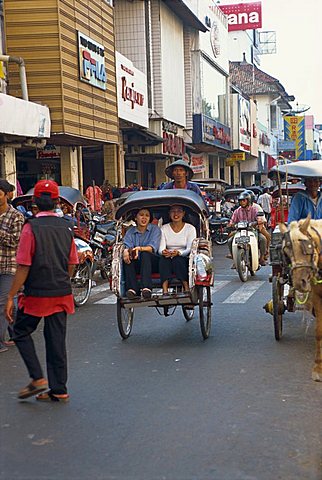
(180, 241)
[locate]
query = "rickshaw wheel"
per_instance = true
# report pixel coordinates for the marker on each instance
(125, 318)
(188, 313)
(241, 265)
(82, 283)
(204, 300)
(277, 296)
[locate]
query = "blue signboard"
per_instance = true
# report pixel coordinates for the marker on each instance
(207, 130)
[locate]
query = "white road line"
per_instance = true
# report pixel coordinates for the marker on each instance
(218, 284)
(244, 292)
(110, 300)
(100, 288)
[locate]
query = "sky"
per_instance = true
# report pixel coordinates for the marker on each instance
(298, 61)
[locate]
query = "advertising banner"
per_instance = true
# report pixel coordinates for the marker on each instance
(243, 16)
(91, 56)
(294, 129)
(132, 94)
(244, 124)
(207, 130)
(198, 164)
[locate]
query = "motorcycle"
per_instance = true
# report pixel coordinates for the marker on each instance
(102, 239)
(218, 229)
(245, 250)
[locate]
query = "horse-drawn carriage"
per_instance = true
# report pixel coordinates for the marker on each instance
(198, 297)
(296, 260)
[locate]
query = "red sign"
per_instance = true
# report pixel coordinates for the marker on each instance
(243, 16)
(173, 144)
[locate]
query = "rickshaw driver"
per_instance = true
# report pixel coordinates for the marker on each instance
(247, 212)
(181, 174)
(307, 202)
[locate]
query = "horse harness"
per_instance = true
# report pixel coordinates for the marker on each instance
(308, 248)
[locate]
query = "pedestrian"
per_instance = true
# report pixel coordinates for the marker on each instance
(11, 222)
(94, 197)
(45, 261)
(265, 201)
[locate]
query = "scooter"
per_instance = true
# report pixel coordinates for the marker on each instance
(245, 250)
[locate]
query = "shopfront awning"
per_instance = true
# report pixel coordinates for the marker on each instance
(138, 136)
(181, 9)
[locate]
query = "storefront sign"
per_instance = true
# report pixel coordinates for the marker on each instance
(294, 130)
(132, 97)
(244, 124)
(243, 16)
(91, 62)
(238, 156)
(50, 151)
(198, 163)
(173, 144)
(207, 130)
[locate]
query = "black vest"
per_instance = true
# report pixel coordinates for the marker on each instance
(48, 275)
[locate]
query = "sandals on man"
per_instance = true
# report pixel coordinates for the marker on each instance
(53, 397)
(34, 387)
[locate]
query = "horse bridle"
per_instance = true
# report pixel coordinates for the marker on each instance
(308, 246)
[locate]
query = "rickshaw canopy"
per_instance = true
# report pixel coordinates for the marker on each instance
(154, 199)
(68, 194)
(302, 169)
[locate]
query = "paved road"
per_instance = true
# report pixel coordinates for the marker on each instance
(165, 405)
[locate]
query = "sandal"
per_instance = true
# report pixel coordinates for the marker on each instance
(53, 397)
(34, 387)
(146, 293)
(131, 294)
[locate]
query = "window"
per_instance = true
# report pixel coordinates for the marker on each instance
(273, 116)
(213, 92)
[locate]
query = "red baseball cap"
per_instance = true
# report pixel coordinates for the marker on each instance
(46, 186)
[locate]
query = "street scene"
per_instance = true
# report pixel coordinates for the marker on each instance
(160, 240)
(165, 404)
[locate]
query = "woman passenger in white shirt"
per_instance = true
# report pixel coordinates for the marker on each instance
(175, 245)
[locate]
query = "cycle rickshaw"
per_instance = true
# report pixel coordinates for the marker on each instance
(199, 295)
(284, 297)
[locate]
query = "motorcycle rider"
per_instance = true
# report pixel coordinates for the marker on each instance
(247, 212)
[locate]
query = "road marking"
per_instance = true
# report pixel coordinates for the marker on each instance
(100, 288)
(110, 300)
(244, 292)
(218, 284)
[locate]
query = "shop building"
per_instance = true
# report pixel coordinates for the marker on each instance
(153, 35)
(208, 120)
(21, 122)
(69, 52)
(272, 103)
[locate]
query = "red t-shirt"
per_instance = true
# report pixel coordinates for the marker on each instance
(42, 306)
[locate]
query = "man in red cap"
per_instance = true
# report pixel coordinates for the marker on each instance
(45, 261)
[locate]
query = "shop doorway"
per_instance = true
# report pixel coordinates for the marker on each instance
(148, 175)
(93, 166)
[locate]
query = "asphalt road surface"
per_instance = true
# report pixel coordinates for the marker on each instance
(166, 405)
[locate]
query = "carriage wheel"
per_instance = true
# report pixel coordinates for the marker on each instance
(204, 300)
(188, 312)
(278, 307)
(241, 264)
(125, 318)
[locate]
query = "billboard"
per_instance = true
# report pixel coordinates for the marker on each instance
(294, 130)
(243, 16)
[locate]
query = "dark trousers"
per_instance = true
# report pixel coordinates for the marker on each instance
(55, 341)
(143, 266)
(177, 266)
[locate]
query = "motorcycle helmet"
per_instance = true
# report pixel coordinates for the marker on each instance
(245, 196)
(252, 196)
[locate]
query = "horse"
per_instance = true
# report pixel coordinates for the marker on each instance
(302, 245)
